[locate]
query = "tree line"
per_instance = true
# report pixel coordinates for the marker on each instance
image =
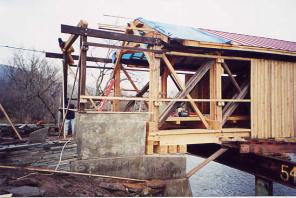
(30, 89)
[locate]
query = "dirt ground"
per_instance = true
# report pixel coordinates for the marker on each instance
(24, 183)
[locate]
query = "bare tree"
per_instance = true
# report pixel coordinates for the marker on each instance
(34, 88)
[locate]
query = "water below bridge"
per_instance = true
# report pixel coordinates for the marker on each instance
(219, 180)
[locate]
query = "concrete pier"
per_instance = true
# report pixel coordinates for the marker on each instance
(114, 144)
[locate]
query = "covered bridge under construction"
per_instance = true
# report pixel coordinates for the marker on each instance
(239, 90)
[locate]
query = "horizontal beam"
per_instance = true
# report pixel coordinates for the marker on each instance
(162, 100)
(173, 53)
(75, 57)
(196, 136)
(108, 35)
(98, 60)
(73, 38)
(136, 49)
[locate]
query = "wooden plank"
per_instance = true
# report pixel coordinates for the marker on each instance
(182, 149)
(10, 122)
(205, 162)
(150, 147)
(161, 149)
(107, 35)
(172, 149)
(191, 136)
(233, 47)
(185, 90)
(254, 99)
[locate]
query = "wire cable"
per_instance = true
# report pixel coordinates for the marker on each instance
(20, 48)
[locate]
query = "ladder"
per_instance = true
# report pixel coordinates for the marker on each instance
(106, 93)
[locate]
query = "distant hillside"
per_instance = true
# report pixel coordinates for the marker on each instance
(3, 71)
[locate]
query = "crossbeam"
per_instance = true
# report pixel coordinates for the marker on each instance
(108, 35)
(136, 49)
(98, 60)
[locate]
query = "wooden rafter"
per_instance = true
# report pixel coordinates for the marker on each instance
(185, 90)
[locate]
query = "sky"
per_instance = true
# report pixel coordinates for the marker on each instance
(36, 23)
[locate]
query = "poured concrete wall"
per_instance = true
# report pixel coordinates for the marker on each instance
(110, 134)
(139, 167)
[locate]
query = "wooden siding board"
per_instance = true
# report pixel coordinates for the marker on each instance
(273, 94)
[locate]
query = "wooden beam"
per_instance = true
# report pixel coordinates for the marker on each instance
(10, 122)
(232, 79)
(140, 94)
(154, 91)
(216, 93)
(82, 73)
(73, 38)
(75, 57)
(135, 49)
(198, 136)
(107, 35)
(185, 90)
(173, 53)
(230, 107)
(117, 91)
(164, 83)
(205, 162)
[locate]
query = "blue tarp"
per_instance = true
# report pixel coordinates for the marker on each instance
(175, 32)
(183, 32)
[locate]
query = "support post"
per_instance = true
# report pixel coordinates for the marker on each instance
(117, 91)
(216, 93)
(164, 83)
(82, 76)
(65, 83)
(154, 91)
(263, 187)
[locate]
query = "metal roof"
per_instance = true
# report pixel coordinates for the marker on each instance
(254, 41)
(213, 36)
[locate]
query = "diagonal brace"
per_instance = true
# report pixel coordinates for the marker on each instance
(182, 88)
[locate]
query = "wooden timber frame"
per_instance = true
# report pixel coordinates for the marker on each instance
(220, 90)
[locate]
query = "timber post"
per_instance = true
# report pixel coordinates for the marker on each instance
(216, 93)
(82, 72)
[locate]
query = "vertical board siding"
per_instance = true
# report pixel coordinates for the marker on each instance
(273, 94)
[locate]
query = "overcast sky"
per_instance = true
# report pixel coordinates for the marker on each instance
(36, 23)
